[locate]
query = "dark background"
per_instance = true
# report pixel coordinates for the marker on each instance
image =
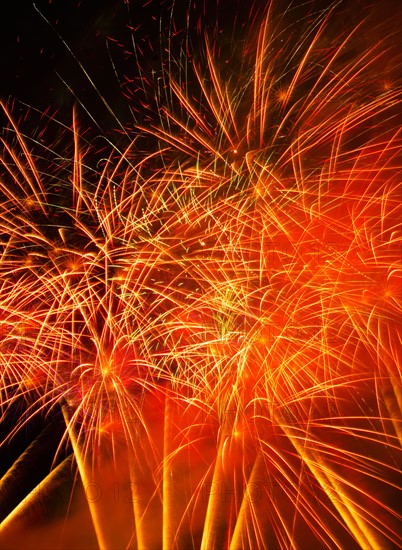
(57, 54)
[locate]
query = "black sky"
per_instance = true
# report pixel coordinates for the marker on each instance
(51, 50)
(46, 46)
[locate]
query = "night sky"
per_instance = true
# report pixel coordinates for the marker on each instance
(48, 46)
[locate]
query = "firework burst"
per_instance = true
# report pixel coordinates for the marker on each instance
(216, 323)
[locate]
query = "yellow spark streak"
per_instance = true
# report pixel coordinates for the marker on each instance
(16, 517)
(94, 508)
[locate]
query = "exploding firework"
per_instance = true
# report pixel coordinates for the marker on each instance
(212, 329)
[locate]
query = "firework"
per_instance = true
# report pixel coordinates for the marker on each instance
(216, 323)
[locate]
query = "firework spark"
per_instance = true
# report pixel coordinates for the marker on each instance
(217, 322)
